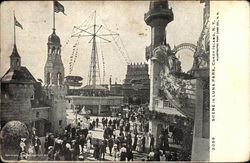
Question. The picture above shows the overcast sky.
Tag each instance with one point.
(125, 18)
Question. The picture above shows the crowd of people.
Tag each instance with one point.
(122, 137)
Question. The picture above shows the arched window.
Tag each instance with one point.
(48, 78)
(37, 114)
(53, 50)
(17, 62)
(59, 78)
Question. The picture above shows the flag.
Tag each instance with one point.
(58, 7)
(17, 23)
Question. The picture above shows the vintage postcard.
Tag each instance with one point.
(125, 81)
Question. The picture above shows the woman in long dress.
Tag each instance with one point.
(88, 145)
(115, 152)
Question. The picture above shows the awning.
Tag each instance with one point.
(170, 111)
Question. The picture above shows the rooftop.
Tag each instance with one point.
(21, 75)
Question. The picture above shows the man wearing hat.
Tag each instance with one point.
(37, 145)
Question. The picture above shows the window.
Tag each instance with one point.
(53, 49)
(37, 114)
(17, 62)
(60, 122)
(59, 78)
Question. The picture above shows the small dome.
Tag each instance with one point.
(53, 38)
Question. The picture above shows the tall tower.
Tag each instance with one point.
(158, 16)
(54, 84)
(54, 69)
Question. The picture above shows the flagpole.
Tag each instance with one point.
(14, 29)
(54, 16)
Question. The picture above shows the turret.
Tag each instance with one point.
(15, 59)
(158, 16)
(54, 69)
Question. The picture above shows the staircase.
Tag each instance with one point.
(180, 93)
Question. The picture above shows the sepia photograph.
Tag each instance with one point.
(105, 80)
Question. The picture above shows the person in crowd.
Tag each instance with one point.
(57, 155)
(46, 144)
(114, 123)
(152, 142)
(96, 153)
(123, 153)
(110, 145)
(135, 141)
(75, 150)
(168, 156)
(109, 131)
(88, 145)
(97, 122)
(129, 141)
(117, 142)
(103, 123)
(127, 129)
(130, 155)
(165, 142)
(68, 128)
(68, 153)
(50, 153)
(143, 143)
(157, 155)
(73, 132)
(174, 156)
(115, 152)
(82, 142)
(89, 137)
(103, 146)
(135, 128)
(161, 141)
(105, 133)
(93, 125)
(139, 144)
(110, 122)
(37, 145)
(22, 150)
(106, 122)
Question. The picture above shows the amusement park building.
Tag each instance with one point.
(136, 84)
(42, 108)
(177, 98)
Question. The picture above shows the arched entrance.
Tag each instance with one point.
(42, 126)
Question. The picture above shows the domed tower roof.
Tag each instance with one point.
(158, 4)
(54, 39)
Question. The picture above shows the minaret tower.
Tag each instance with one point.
(54, 82)
(158, 16)
(54, 69)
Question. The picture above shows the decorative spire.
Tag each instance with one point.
(15, 59)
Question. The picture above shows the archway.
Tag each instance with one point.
(185, 52)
